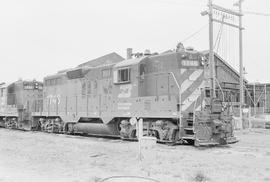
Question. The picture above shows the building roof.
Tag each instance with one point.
(106, 59)
(206, 52)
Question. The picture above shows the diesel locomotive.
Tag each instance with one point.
(17, 103)
(169, 91)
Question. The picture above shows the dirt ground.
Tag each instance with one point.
(35, 156)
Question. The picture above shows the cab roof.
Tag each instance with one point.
(129, 62)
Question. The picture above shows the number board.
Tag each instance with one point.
(190, 63)
(28, 86)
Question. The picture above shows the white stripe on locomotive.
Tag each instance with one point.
(188, 82)
(192, 97)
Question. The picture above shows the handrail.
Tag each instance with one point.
(194, 111)
(220, 88)
(180, 102)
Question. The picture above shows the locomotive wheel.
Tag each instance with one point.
(154, 134)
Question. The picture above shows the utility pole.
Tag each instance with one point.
(211, 49)
(239, 4)
(254, 97)
(265, 99)
(220, 13)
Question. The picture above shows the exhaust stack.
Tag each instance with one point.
(129, 53)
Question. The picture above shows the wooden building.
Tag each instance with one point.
(259, 97)
(255, 94)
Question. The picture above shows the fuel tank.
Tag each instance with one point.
(95, 126)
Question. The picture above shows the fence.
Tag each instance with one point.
(252, 118)
(254, 111)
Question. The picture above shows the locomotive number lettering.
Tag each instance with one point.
(125, 91)
(54, 99)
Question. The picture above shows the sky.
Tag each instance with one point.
(39, 38)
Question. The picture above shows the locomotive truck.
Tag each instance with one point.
(170, 92)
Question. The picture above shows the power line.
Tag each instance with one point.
(195, 3)
(256, 13)
(195, 33)
(219, 35)
(183, 2)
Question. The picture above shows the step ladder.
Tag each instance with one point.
(188, 128)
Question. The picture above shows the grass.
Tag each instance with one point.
(200, 177)
(96, 179)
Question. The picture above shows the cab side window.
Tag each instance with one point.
(122, 75)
